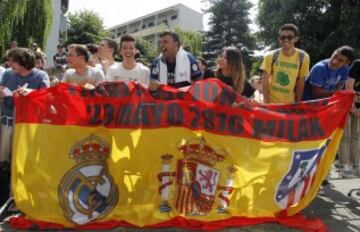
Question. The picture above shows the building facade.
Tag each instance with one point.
(149, 26)
(58, 31)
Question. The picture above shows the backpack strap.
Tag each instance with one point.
(275, 58)
(301, 59)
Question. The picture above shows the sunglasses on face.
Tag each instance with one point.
(288, 37)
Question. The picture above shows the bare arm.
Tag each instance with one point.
(265, 87)
(299, 88)
(318, 92)
(350, 84)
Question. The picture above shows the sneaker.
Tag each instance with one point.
(346, 172)
(338, 165)
(325, 183)
(356, 171)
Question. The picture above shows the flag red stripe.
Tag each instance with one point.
(134, 107)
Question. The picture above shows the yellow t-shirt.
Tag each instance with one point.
(283, 78)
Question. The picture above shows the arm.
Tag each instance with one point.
(300, 82)
(350, 84)
(299, 88)
(2, 94)
(154, 75)
(318, 92)
(265, 87)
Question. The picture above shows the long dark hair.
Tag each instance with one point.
(235, 61)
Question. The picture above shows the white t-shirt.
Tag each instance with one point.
(93, 76)
(139, 73)
(2, 70)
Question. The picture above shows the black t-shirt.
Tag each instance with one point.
(247, 91)
(355, 74)
(59, 59)
(208, 74)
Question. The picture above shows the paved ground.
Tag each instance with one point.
(338, 211)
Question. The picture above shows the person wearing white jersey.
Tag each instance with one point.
(128, 70)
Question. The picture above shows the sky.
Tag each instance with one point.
(113, 13)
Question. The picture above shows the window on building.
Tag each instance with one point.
(143, 26)
(151, 24)
(173, 17)
(124, 32)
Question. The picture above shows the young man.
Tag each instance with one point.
(174, 66)
(285, 69)
(21, 79)
(81, 73)
(59, 59)
(349, 147)
(329, 75)
(107, 50)
(128, 69)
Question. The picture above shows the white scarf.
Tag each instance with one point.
(182, 68)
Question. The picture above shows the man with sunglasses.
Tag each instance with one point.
(285, 69)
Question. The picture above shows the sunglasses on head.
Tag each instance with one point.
(288, 37)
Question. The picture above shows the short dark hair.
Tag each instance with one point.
(23, 56)
(125, 38)
(81, 50)
(93, 48)
(173, 34)
(60, 46)
(346, 51)
(289, 27)
(112, 44)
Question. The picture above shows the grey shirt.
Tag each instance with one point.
(92, 76)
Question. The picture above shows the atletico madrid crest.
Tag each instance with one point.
(300, 177)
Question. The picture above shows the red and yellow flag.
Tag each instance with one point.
(118, 153)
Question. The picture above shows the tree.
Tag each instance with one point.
(229, 26)
(24, 21)
(146, 49)
(35, 25)
(323, 25)
(85, 27)
(190, 40)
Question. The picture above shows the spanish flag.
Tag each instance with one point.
(200, 159)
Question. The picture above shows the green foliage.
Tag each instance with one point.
(323, 25)
(85, 27)
(24, 21)
(255, 66)
(35, 25)
(146, 49)
(190, 40)
(229, 26)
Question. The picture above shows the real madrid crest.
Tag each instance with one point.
(87, 192)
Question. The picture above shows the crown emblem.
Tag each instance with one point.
(199, 150)
(90, 148)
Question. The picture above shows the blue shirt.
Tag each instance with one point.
(324, 77)
(37, 79)
(194, 69)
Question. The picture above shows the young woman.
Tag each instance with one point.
(231, 71)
